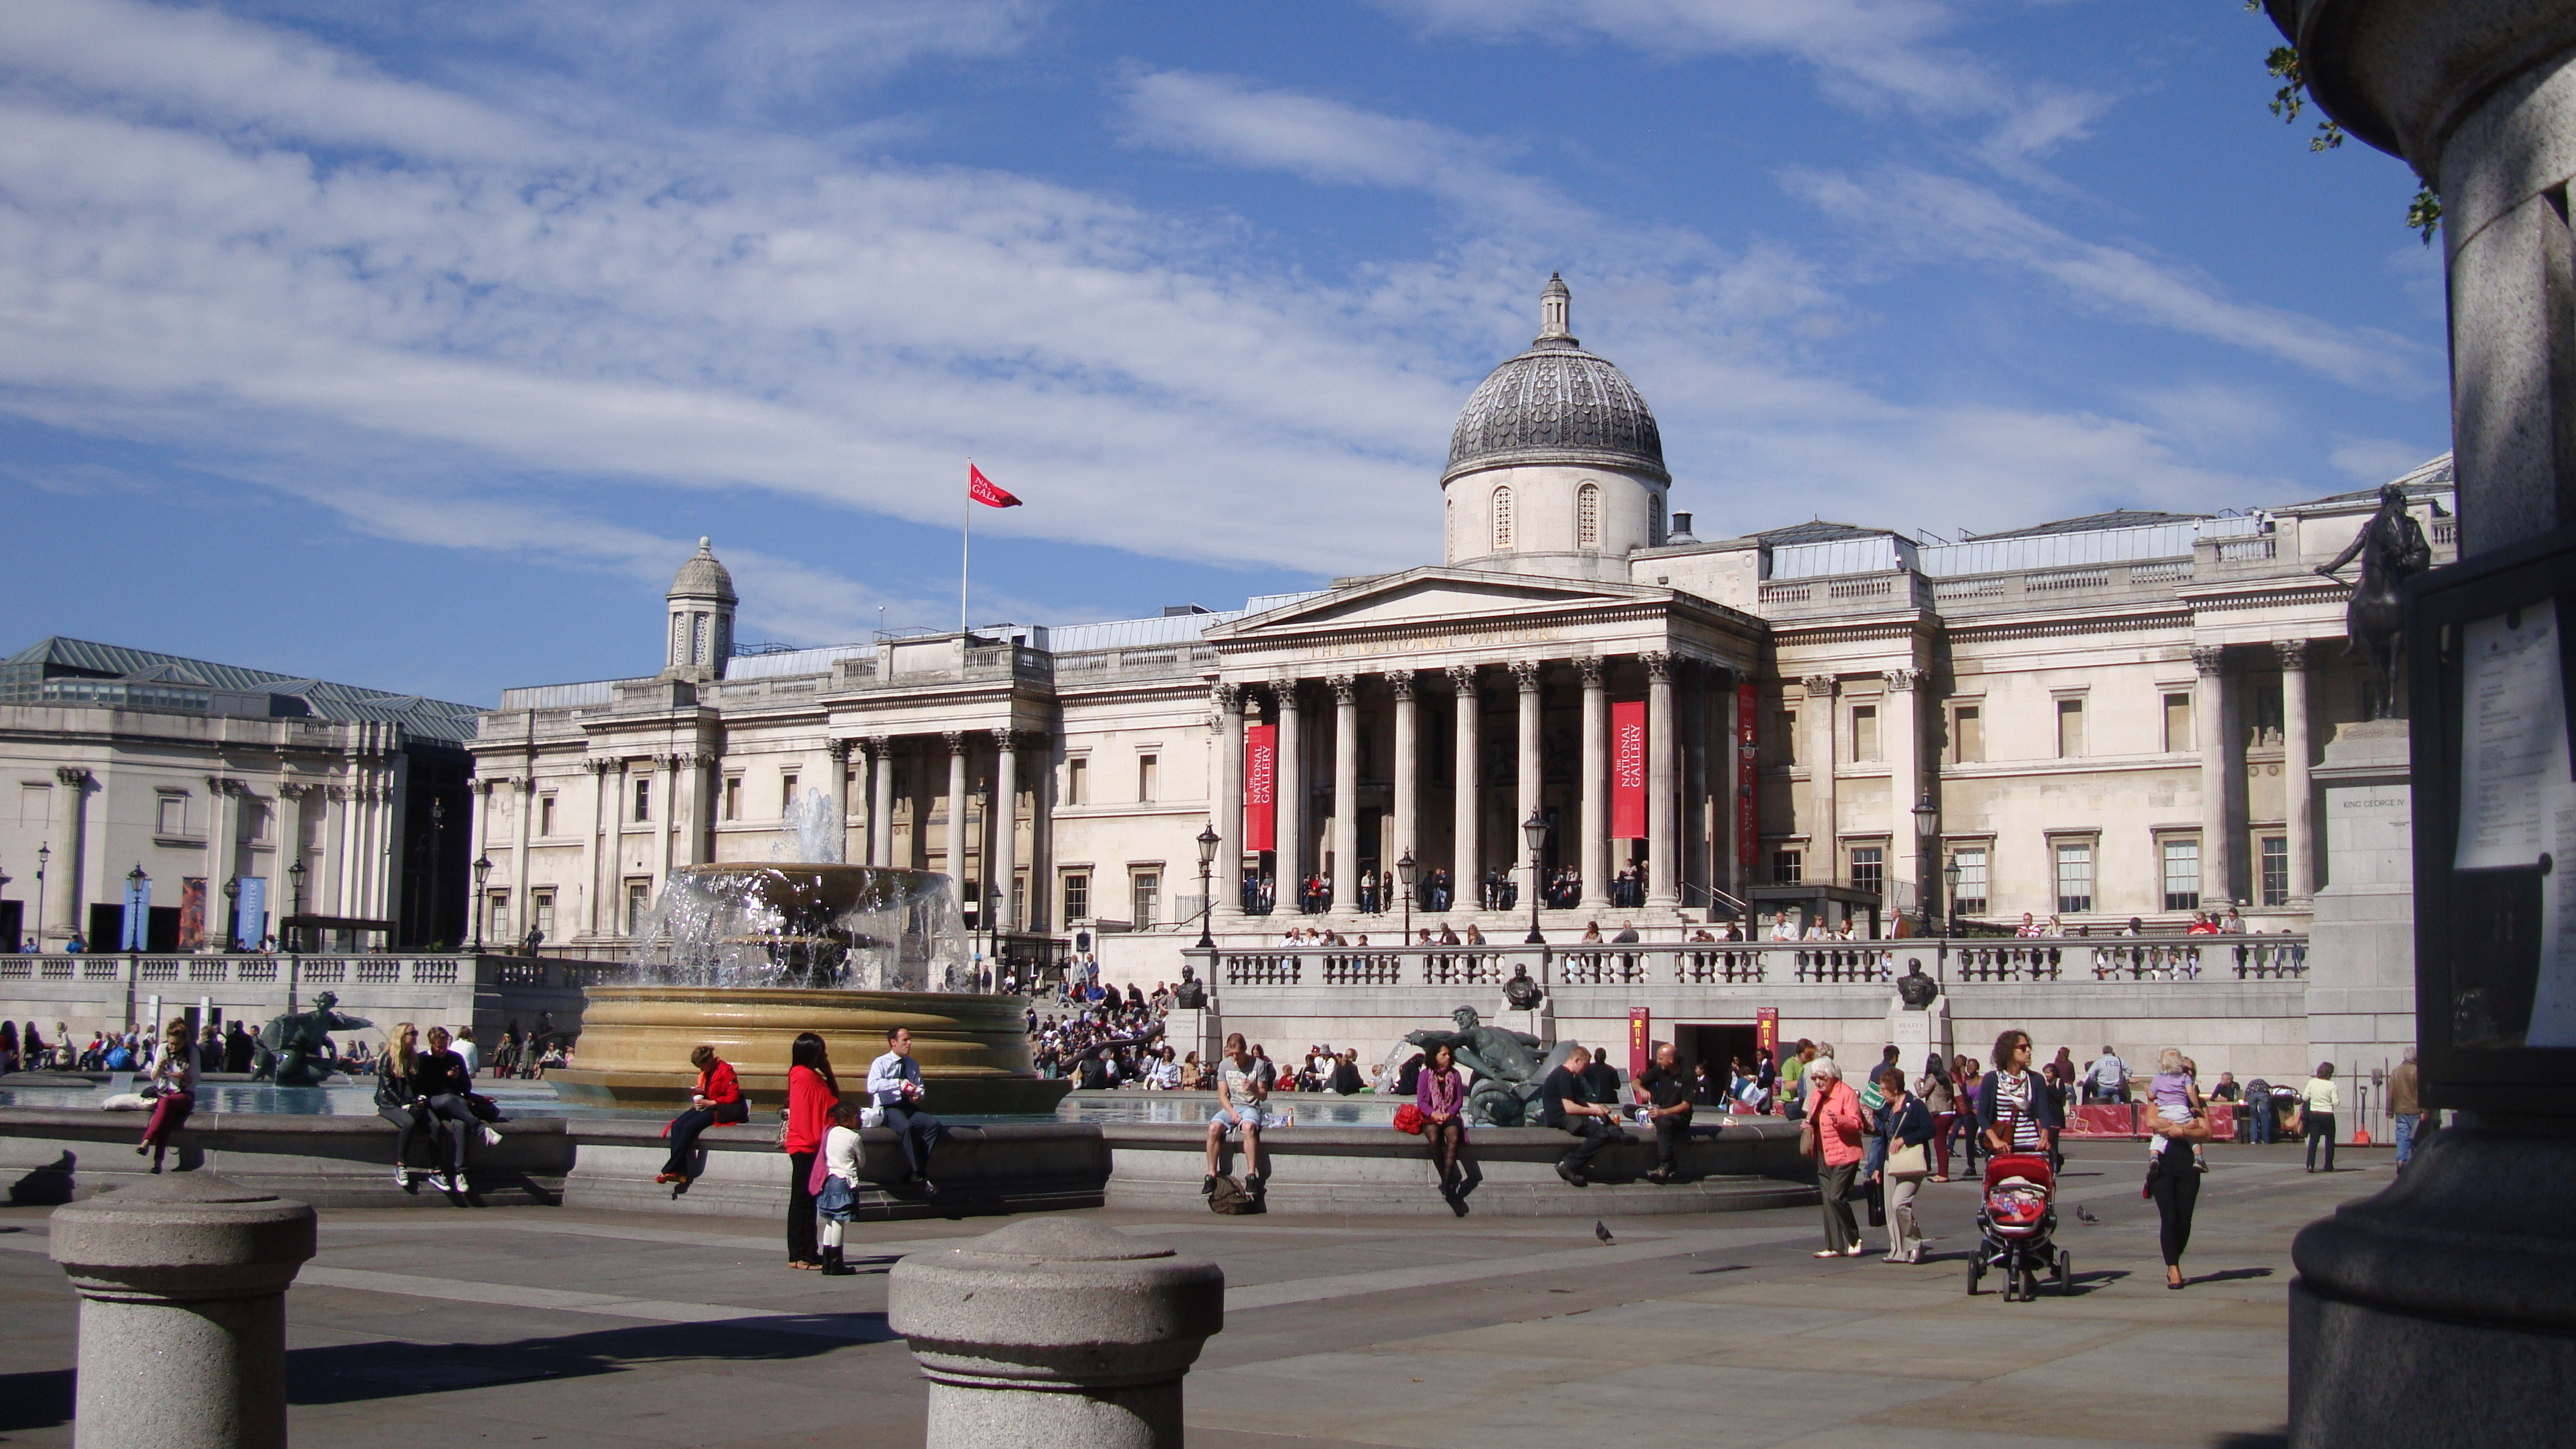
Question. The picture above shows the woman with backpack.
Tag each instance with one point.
(811, 1092)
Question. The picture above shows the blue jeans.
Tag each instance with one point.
(2402, 1126)
(2265, 1128)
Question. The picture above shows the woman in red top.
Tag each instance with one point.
(1835, 1109)
(811, 1091)
(716, 1099)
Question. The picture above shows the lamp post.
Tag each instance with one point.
(1534, 830)
(232, 914)
(482, 870)
(44, 852)
(437, 838)
(1927, 839)
(295, 874)
(1950, 903)
(1405, 871)
(4, 885)
(1209, 840)
(135, 881)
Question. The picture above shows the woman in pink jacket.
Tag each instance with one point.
(1840, 1130)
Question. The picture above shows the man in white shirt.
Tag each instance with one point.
(894, 1083)
(1242, 1081)
(2108, 1079)
(464, 1047)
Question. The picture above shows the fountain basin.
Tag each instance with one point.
(635, 1044)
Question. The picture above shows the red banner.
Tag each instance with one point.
(1766, 1031)
(1628, 771)
(1641, 1040)
(1748, 818)
(1260, 787)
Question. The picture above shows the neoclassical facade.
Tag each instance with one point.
(2098, 718)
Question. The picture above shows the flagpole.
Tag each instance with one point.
(965, 534)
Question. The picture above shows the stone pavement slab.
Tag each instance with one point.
(571, 1329)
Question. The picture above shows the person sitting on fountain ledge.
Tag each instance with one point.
(894, 1083)
(1566, 1103)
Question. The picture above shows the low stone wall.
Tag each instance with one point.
(1001, 1168)
(1753, 1163)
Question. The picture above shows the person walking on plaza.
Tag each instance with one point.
(1836, 1130)
(811, 1091)
(838, 1202)
(1242, 1082)
(2405, 1108)
(1668, 1091)
(174, 1094)
(1440, 1094)
(1942, 1100)
(894, 1084)
(717, 1098)
(1565, 1103)
(2015, 1112)
(1905, 1133)
(2317, 1103)
(2173, 1181)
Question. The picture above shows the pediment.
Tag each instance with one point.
(1455, 596)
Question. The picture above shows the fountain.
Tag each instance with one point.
(743, 956)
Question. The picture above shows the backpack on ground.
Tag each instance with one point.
(1232, 1198)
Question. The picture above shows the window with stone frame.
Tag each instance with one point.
(1869, 868)
(643, 799)
(2181, 855)
(1587, 516)
(639, 899)
(2178, 740)
(1077, 781)
(1077, 896)
(2276, 870)
(173, 816)
(1788, 867)
(1145, 896)
(1147, 767)
(546, 815)
(1864, 733)
(1502, 520)
(2074, 876)
(1655, 520)
(1967, 734)
(733, 797)
(541, 906)
(786, 793)
(1970, 898)
(2070, 729)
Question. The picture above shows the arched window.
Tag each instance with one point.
(1655, 521)
(1502, 520)
(679, 639)
(1587, 516)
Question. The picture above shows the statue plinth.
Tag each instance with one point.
(2361, 942)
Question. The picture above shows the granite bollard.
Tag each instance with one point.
(182, 1281)
(1058, 1332)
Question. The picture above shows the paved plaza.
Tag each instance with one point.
(573, 1329)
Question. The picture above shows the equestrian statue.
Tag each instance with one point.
(2392, 549)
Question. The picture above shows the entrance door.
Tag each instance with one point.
(12, 922)
(107, 928)
(1716, 1043)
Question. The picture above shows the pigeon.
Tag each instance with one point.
(2085, 1213)
(1601, 1232)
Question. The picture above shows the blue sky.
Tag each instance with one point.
(415, 344)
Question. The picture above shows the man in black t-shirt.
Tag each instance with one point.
(1668, 1092)
(1566, 1103)
(1601, 1081)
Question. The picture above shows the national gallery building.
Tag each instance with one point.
(2095, 719)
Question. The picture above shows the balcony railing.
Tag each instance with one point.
(179, 973)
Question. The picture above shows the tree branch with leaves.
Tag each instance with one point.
(2423, 214)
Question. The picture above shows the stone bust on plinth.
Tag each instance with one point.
(1915, 989)
(1191, 994)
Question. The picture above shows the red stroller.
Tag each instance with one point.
(2017, 1226)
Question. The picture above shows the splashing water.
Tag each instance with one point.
(814, 832)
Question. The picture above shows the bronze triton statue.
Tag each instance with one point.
(294, 1043)
(2392, 550)
(1509, 1070)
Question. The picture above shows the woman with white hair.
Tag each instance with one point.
(1833, 1135)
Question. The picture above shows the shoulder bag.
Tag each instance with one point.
(1908, 1159)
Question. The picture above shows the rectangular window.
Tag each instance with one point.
(1970, 897)
(643, 800)
(1864, 722)
(1786, 867)
(545, 815)
(1145, 766)
(786, 794)
(733, 797)
(496, 924)
(1077, 896)
(2074, 878)
(2276, 870)
(639, 899)
(1868, 868)
(174, 816)
(2182, 875)
(1967, 735)
(2178, 739)
(1077, 782)
(1145, 891)
(542, 905)
(2070, 729)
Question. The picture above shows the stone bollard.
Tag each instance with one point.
(182, 1281)
(1056, 1332)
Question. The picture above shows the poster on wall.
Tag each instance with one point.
(1766, 1031)
(2517, 834)
(1641, 1040)
(251, 918)
(192, 913)
(1260, 787)
(1628, 769)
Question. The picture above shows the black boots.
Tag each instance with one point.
(833, 1267)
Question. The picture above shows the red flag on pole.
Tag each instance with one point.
(985, 491)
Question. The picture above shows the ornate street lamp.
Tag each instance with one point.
(295, 873)
(4, 885)
(482, 870)
(1927, 837)
(1209, 840)
(1534, 830)
(232, 914)
(135, 881)
(1950, 877)
(1405, 871)
(44, 852)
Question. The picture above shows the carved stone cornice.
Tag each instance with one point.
(2294, 654)
(293, 789)
(1659, 665)
(1345, 687)
(1400, 684)
(2209, 659)
(1462, 678)
(1525, 674)
(76, 777)
(1283, 691)
(1821, 686)
(335, 792)
(1006, 741)
(1902, 679)
(838, 749)
(880, 745)
(598, 764)
(1593, 670)
(1226, 696)
(956, 740)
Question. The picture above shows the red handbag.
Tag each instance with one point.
(1408, 1118)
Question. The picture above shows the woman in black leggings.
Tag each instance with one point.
(2174, 1182)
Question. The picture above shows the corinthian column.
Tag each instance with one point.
(1661, 736)
(1291, 788)
(1901, 733)
(2294, 766)
(63, 873)
(1225, 808)
(881, 806)
(2209, 710)
(839, 752)
(1407, 744)
(956, 859)
(1006, 825)
(1824, 829)
(1465, 851)
(1527, 802)
(1346, 791)
(1594, 857)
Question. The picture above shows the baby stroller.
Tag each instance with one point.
(2017, 1226)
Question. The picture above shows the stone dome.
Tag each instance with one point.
(1556, 403)
(703, 578)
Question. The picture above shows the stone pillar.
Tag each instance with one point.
(2209, 711)
(1006, 825)
(223, 835)
(666, 811)
(1900, 732)
(1594, 860)
(1691, 705)
(838, 751)
(1822, 755)
(591, 889)
(346, 867)
(955, 859)
(881, 810)
(1408, 801)
(1055, 1331)
(1225, 801)
(1346, 791)
(1661, 837)
(1527, 800)
(1466, 849)
(2296, 790)
(182, 1281)
(1291, 789)
(522, 916)
(63, 873)
(1731, 811)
